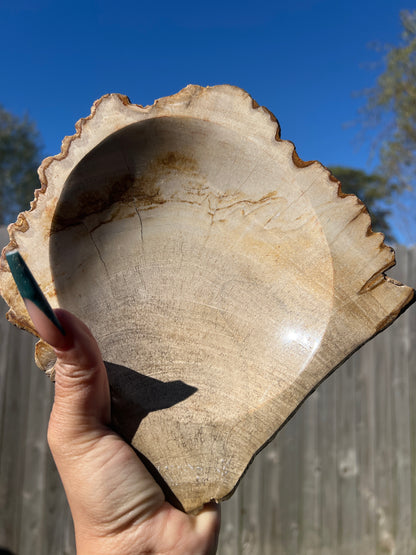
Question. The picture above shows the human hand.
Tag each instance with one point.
(116, 505)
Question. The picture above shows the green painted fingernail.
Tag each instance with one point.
(29, 288)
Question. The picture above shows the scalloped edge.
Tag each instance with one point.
(372, 241)
(190, 93)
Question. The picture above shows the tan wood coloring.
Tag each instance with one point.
(223, 277)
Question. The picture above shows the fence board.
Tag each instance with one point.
(34, 477)
(328, 499)
(339, 479)
(401, 414)
(366, 447)
(347, 460)
(13, 433)
(411, 268)
(311, 480)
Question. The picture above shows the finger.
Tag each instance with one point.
(81, 383)
(82, 397)
(208, 520)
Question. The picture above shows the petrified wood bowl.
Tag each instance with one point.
(223, 277)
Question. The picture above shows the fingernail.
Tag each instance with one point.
(40, 311)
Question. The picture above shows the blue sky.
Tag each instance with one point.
(304, 60)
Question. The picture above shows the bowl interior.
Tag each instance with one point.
(175, 240)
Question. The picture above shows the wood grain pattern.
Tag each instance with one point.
(223, 278)
(291, 501)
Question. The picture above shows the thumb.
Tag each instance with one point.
(82, 394)
(101, 473)
(82, 406)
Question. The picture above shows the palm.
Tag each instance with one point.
(126, 507)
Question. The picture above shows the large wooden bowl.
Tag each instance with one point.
(223, 277)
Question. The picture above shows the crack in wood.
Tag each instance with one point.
(141, 223)
(100, 256)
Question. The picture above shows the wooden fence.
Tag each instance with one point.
(339, 479)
